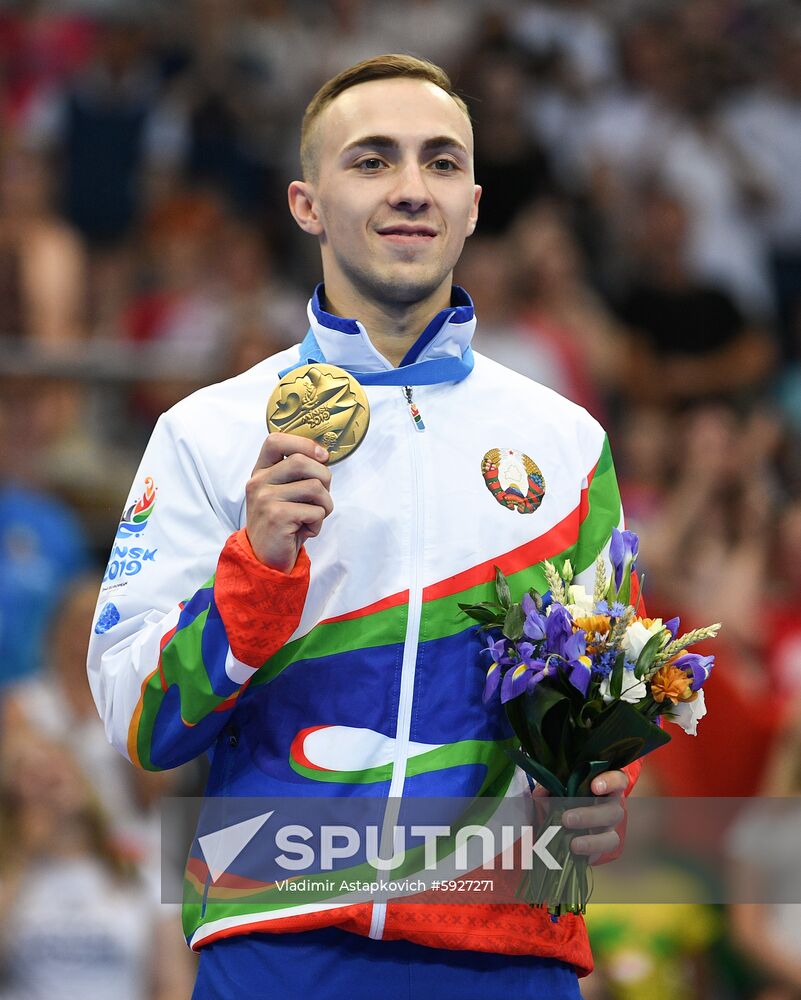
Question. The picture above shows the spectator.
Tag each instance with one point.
(58, 705)
(486, 267)
(103, 131)
(557, 305)
(39, 49)
(764, 866)
(75, 922)
(42, 261)
(510, 164)
(689, 338)
(42, 548)
(765, 123)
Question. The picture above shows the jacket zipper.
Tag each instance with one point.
(408, 665)
(415, 413)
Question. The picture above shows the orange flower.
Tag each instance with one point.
(593, 623)
(673, 683)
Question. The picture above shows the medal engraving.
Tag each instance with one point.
(323, 403)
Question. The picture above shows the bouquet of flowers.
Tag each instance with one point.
(585, 680)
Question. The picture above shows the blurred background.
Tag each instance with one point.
(639, 250)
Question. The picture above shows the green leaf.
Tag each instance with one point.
(486, 612)
(502, 588)
(482, 615)
(540, 774)
(540, 703)
(578, 784)
(648, 654)
(624, 593)
(515, 713)
(640, 593)
(589, 712)
(621, 735)
(616, 680)
(514, 622)
(547, 715)
(489, 605)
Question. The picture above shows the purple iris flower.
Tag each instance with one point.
(575, 646)
(573, 649)
(700, 667)
(578, 674)
(498, 651)
(522, 677)
(500, 658)
(491, 683)
(673, 627)
(623, 550)
(534, 625)
(526, 651)
(558, 629)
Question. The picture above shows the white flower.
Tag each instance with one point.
(688, 714)
(581, 603)
(636, 637)
(632, 690)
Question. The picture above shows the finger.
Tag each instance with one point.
(610, 783)
(296, 467)
(595, 843)
(311, 529)
(305, 492)
(602, 816)
(277, 446)
(307, 518)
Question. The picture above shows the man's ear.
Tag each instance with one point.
(472, 219)
(303, 207)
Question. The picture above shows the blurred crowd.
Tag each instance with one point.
(638, 250)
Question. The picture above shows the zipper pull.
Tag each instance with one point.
(418, 420)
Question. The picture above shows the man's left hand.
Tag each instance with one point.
(601, 818)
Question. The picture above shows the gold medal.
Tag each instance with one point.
(323, 403)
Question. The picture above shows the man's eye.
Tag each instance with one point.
(444, 165)
(371, 163)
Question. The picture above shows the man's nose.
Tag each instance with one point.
(410, 192)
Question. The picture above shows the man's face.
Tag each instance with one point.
(394, 193)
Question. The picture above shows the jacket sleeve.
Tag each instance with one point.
(187, 613)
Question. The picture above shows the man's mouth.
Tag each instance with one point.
(408, 233)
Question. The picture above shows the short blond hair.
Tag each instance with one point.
(386, 67)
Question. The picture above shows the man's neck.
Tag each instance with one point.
(392, 328)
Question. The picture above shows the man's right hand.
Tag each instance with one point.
(287, 498)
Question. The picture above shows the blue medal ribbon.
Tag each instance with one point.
(428, 372)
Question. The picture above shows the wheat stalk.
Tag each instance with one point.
(688, 639)
(554, 581)
(619, 628)
(600, 580)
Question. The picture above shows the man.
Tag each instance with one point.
(319, 656)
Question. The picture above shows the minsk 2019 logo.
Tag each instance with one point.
(135, 518)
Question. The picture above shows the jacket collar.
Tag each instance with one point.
(344, 342)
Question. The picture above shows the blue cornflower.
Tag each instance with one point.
(604, 663)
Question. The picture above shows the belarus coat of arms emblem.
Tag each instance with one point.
(513, 479)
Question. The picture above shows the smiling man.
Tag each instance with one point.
(298, 620)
